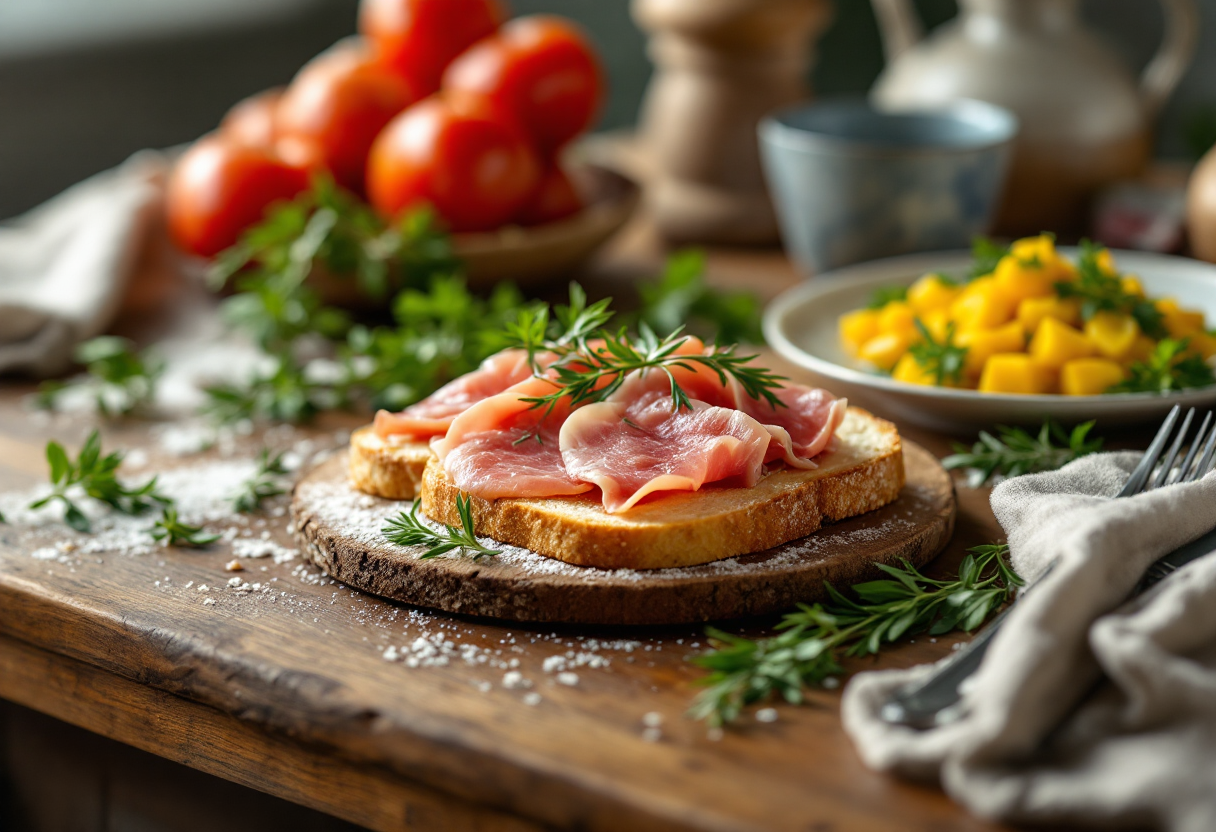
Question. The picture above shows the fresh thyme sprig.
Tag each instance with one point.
(173, 532)
(593, 371)
(97, 476)
(1014, 451)
(1099, 291)
(943, 359)
(407, 530)
(813, 639)
(262, 485)
(1167, 369)
(119, 379)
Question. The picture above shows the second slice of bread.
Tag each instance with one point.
(390, 468)
(863, 471)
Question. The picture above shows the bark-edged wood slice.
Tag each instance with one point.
(339, 529)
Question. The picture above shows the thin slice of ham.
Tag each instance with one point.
(809, 419)
(504, 447)
(632, 448)
(433, 415)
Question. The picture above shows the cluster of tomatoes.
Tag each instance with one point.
(436, 102)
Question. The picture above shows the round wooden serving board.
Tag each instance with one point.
(339, 529)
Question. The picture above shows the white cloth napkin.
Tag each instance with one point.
(64, 265)
(1087, 710)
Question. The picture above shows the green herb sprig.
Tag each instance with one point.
(887, 294)
(1167, 369)
(407, 530)
(943, 359)
(97, 476)
(1099, 291)
(985, 255)
(1014, 451)
(263, 485)
(120, 379)
(814, 639)
(173, 532)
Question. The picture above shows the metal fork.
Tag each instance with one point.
(936, 699)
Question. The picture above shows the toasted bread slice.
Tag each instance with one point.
(390, 468)
(863, 471)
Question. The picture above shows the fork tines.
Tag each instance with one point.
(1190, 468)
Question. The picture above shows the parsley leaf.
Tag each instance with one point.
(1099, 291)
(1167, 369)
(985, 255)
(173, 532)
(944, 359)
(681, 298)
(887, 294)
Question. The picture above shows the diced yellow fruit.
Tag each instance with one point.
(981, 306)
(1089, 376)
(858, 327)
(938, 323)
(1141, 349)
(896, 316)
(1132, 286)
(930, 293)
(909, 370)
(1020, 279)
(1041, 248)
(1032, 311)
(1201, 344)
(1113, 334)
(1014, 373)
(981, 344)
(1106, 262)
(1055, 343)
(884, 350)
(1179, 322)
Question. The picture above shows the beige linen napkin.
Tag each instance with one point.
(65, 264)
(1087, 710)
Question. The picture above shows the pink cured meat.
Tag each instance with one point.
(433, 415)
(503, 447)
(809, 419)
(632, 448)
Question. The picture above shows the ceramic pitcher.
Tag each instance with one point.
(1086, 121)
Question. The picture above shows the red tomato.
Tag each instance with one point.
(475, 168)
(553, 199)
(219, 188)
(338, 103)
(252, 121)
(542, 69)
(419, 38)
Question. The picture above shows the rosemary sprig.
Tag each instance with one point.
(262, 485)
(1014, 451)
(1099, 292)
(97, 476)
(407, 530)
(173, 532)
(1167, 369)
(944, 359)
(120, 379)
(592, 372)
(813, 639)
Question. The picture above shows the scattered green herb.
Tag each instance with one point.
(1099, 291)
(1014, 451)
(1167, 369)
(887, 294)
(263, 485)
(97, 476)
(944, 359)
(985, 255)
(119, 379)
(173, 532)
(407, 530)
(813, 639)
(681, 298)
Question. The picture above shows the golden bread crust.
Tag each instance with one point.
(390, 468)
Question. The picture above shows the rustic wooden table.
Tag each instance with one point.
(285, 688)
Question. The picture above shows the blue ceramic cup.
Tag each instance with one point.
(853, 183)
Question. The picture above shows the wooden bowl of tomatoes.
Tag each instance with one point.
(439, 103)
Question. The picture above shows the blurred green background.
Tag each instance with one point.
(83, 83)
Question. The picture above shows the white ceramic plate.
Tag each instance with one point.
(801, 325)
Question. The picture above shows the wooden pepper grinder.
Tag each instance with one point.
(720, 65)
